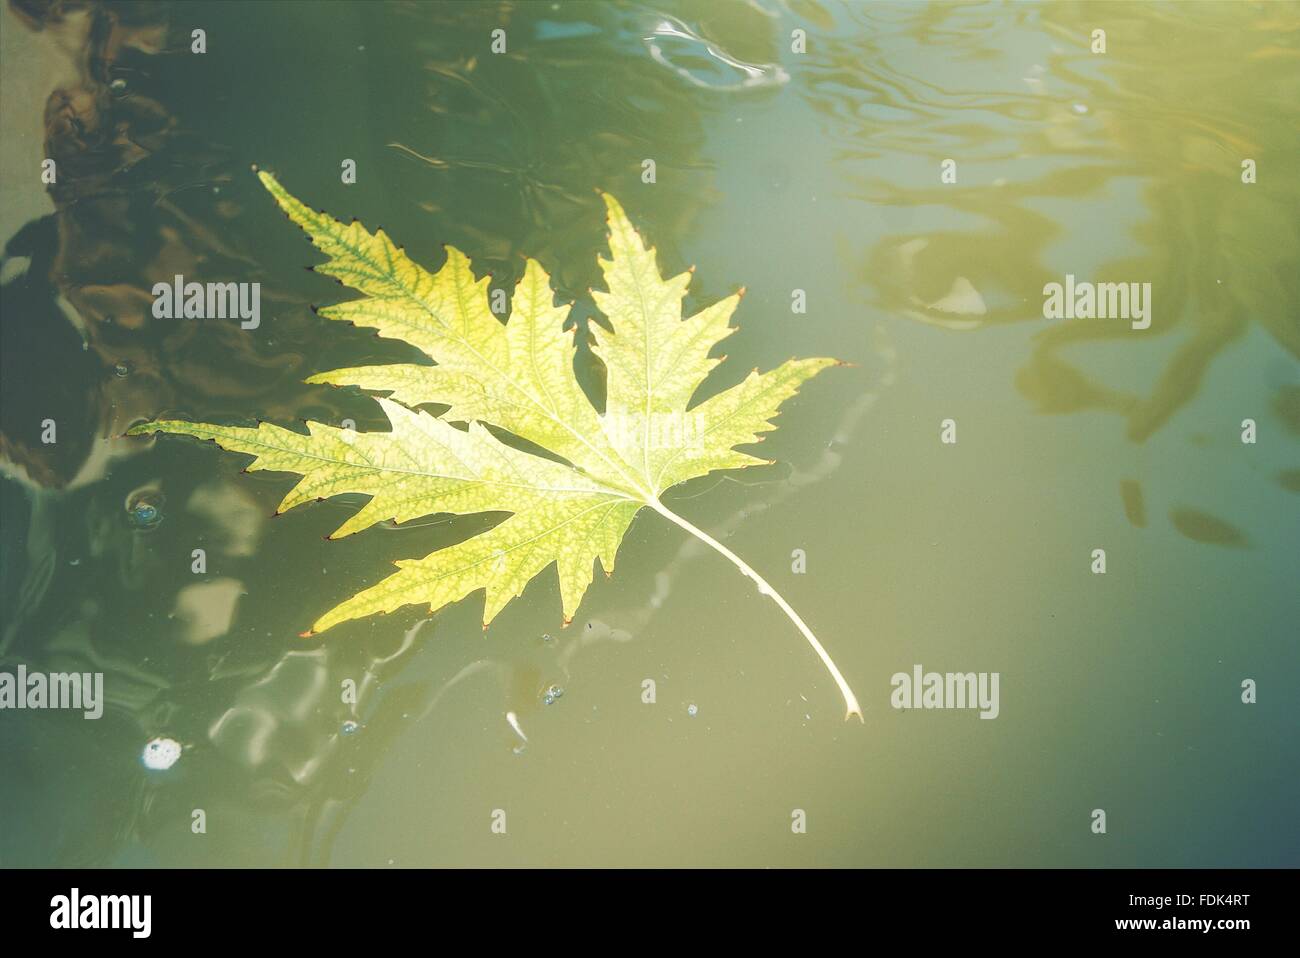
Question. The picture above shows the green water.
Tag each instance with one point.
(776, 170)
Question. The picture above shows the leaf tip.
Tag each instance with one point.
(614, 207)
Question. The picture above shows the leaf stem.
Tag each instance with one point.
(850, 700)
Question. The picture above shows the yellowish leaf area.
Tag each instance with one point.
(518, 377)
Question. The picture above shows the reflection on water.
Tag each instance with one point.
(820, 168)
(1156, 127)
(699, 61)
(1144, 146)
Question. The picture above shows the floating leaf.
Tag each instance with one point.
(518, 377)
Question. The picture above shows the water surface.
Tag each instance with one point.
(775, 170)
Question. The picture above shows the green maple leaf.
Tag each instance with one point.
(518, 377)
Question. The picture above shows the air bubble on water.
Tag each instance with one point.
(349, 727)
(144, 508)
(552, 695)
(122, 370)
(144, 514)
(546, 637)
(118, 85)
(692, 709)
(161, 753)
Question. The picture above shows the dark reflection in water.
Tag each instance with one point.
(1221, 255)
(1135, 509)
(152, 164)
(1202, 527)
(1160, 124)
